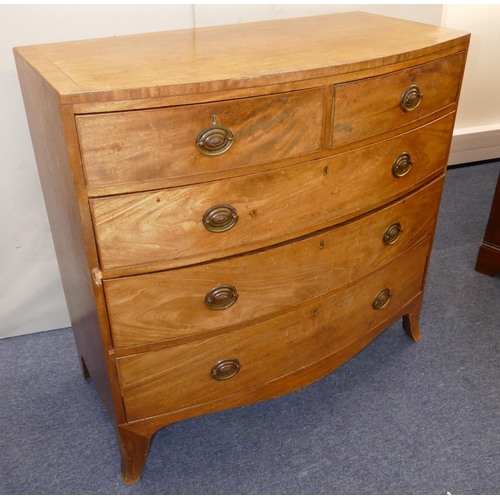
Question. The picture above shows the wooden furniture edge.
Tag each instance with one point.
(488, 259)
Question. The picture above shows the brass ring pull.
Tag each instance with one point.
(215, 139)
(220, 218)
(402, 165)
(221, 297)
(226, 368)
(382, 299)
(411, 99)
(392, 233)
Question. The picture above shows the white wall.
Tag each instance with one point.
(31, 297)
(215, 15)
(477, 128)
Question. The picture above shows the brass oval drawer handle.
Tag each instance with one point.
(392, 233)
(221, 297)
(220, 218)
(402, 165)
(215, 139)
(382, 299)
(411, 99)
(226, 368)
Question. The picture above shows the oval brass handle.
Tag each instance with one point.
(382, 299)
(392, 233)
(221, 297)
(226, 368)
(402, 165)
(411, 99)
(220, 218)
(215, 139)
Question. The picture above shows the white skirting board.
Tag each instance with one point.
(475, 144)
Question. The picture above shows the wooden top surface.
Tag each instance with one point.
(234, 56)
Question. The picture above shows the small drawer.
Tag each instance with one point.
(197, 373)
(177, 303)
(376, 105)
(160, 230)
(183, 141)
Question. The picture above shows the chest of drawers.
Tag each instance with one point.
(239, 210)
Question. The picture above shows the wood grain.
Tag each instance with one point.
(239, 56)
(372, 106)
(179, 377)
(159, 306)
(161, 143)
(278, 387)
(160, 230)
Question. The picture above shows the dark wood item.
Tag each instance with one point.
(488, 258)
(239, 210)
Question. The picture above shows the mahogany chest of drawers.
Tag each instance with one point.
(239, 210)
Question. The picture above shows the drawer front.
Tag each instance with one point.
(153, 144)
(166, 227)
(167, 380)
(159, 306)
(369, 107)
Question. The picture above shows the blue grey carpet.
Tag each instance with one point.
(399, 418)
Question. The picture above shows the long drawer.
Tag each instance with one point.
(262, 209)
(375, 105)
(178, 303)
(134, 146)
(187, 375)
